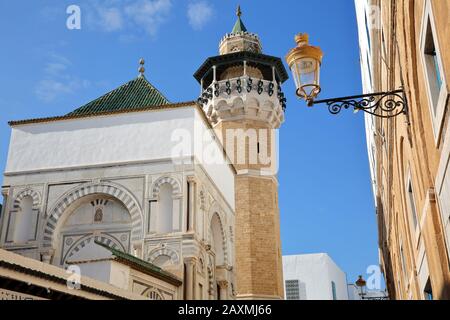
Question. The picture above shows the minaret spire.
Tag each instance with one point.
(238, 11)
(239, 39)
(239, 25)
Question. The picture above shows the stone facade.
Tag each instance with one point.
(409, 48)
(169, 211)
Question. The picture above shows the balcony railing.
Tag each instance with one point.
(242, 85)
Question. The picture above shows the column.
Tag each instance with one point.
(189, 278)
(47, 256)
(191, 203)
(3, 212)
(223, 287)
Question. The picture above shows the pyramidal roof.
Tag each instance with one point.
(239, 25)
(136, 94)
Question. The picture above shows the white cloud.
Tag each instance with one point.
(131, 15)
(110, 19)
(148, 14)
(199, 14)
(57, 81)
(57, 65)
(49, 90)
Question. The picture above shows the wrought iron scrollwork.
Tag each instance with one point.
(218, 88)
(249, 84)
(282, 98)
(270, 91)
(239, 85)
(228, 87)
(260, 87)
(383, 104)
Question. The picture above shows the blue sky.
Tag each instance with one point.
(326, 203)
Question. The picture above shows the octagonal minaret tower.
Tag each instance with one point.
(242, 98)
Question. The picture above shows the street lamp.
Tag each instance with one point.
(305, 62)
(361, 283)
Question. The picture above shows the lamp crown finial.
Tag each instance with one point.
(302, 38)
(238, 11)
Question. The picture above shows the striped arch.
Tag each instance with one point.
(102, 238)
(215, 212)
(164, 252)
(106, 188)
(173, 182)
(27, 193)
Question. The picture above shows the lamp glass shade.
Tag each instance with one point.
(304, 62)
(306, 73)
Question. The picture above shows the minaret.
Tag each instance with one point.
(242, 98)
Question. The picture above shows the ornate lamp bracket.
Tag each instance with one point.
(380, 104)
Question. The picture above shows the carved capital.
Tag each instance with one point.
(47, 255)
(5, 192)
(191, 179)
(190, 260)
(223, 284)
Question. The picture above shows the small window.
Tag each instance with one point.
(292, 290)
(333, 290)
(436, 85)
(98, 217)
(428, 292)
(432, 66)
(411, 203)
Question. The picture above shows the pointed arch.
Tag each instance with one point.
(217, 219)
(107, 188)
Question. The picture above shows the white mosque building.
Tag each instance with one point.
(134, 176)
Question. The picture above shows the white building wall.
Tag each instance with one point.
(315, 273)
(95, 141)
(367, 20)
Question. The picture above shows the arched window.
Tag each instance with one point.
(217, 240)
(165, 210)
(24, 221)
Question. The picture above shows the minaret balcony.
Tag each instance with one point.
(244, 98)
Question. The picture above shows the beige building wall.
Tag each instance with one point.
(413, 150)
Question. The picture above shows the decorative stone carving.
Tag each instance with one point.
(28, 192)
(107, 188)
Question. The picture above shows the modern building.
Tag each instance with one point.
(404, 45)
(313, 277)
(159, 181)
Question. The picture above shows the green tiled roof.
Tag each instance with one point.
(135, 94)
(142, 265)
(239, 26)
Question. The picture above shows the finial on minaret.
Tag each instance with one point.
(238, 11)
(141, 68)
